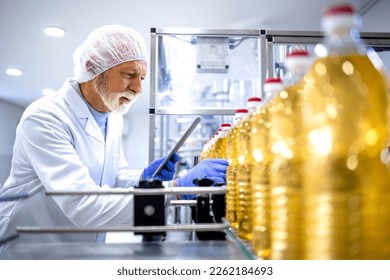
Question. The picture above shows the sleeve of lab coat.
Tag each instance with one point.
(127, 177)
(48, 146)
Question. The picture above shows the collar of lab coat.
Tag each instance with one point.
(80, 108)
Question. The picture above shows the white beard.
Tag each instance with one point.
(112, 99)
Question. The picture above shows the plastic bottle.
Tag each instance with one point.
(212, 148)
(231, 173)
(260, 171)
(285, 142)
(205, 151)
(244, 163)
(220, 143)
(346, 187)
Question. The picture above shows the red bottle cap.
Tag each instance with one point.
(226, 125)
(297, 53)
(339, 9)
(241, 111)
(254, 99)
(273, 80)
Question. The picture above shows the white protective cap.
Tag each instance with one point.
(106, 47)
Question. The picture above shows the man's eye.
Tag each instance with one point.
(127, 75)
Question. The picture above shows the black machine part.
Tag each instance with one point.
(203, 212)
(149, 210)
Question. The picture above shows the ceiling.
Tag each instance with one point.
(46, 61)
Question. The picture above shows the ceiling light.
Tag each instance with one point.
(54, 31)
(13, 72)
(48, 91)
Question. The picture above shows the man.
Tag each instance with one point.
(72, 141)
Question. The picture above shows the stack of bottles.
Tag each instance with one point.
(231, 173)
(286, 147)
(220, 143)
(244, 163)
(260, 180)
(305, 177)
(216, 146)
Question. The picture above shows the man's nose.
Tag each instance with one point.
(136, 86)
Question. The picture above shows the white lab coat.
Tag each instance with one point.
(59, 146)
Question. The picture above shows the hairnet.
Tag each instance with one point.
(106, 47)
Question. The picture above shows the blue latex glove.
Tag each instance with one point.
(214, 169)
(166, 173)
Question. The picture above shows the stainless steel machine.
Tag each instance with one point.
(209, 73)
(203, 73)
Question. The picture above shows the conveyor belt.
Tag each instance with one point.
(186, 250)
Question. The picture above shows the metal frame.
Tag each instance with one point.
(267, 39)
(153, 111)
(372, 39)
(142, 191)
(183, 227)
(287, 37)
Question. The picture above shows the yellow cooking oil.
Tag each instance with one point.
(208, 150)
(346, 187)
(212, 148)
(286, 143)
(220, 143)
(205, 150)
(285, 140)
(244, 163)
(259, 178)
(231, 172)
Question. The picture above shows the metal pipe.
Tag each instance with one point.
(367, 6)
(137, 191)
(183, 227)
(182, 202)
